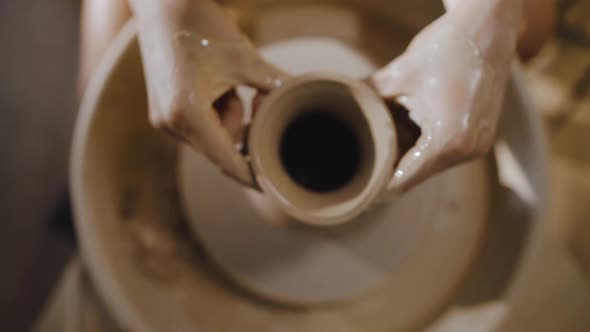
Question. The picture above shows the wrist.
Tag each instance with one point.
(492, 25)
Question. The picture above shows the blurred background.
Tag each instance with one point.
(39, 42)
(38, 98)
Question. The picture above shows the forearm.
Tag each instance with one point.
(199, 16)
(488, 10)
(492, 25)
(151, 9)
(100, 22)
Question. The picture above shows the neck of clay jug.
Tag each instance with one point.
(323, 148)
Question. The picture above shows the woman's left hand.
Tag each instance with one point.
(452, 79)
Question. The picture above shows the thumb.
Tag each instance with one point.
(395, 79)
(415, 166)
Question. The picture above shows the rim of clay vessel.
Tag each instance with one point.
(358, 107)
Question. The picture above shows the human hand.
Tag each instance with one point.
(452, 80)
(194, 56)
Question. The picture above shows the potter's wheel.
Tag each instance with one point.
(269, 254)
(168, 258)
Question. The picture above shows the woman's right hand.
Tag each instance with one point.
(194, 56)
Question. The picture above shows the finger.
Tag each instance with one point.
(262, 75)
(257, 102)
(230, 109)
(395, 79)
(408, 131)
(415, 166)
(216, 143)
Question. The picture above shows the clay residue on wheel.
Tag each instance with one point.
(150, 210)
